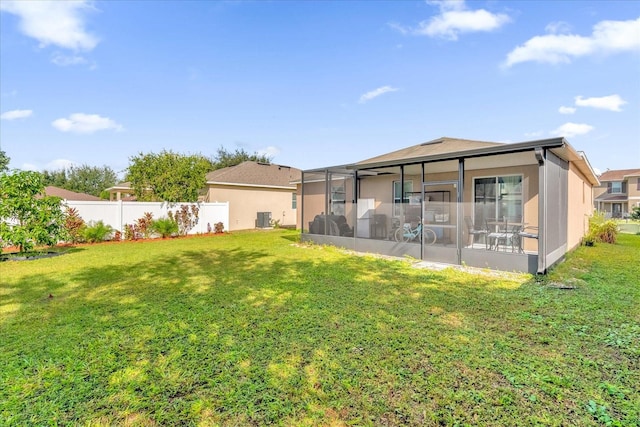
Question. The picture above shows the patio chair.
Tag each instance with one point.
(473, 231)
(530, 232)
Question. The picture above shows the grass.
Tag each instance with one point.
(252, 329)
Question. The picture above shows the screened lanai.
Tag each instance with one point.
(500, 206)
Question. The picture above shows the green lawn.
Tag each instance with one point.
(251, 328)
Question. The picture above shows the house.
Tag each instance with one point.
(121, 191)
(70, 195)
(618, 192)
(516, 207)
(258, 194)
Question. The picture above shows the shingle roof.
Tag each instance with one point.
(611, 198)
(438, 146)
(254, 173)
(70, 195)
(618, 175)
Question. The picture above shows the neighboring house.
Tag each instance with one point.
(70, 195)
(531, 201)
(618, 192)
(256, 192)
(121, 191)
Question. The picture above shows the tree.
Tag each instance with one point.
(224, 158)
(82, 179)
(57, 178)
(27, 218)
(4, 161)
(168, 176)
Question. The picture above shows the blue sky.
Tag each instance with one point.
(314, 84)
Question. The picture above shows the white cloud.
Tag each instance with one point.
(58, 164)
(375, 93)
(566, 110)
(59, 23)
(611, 102)
(535, 134)
(16, 114)
(608, 37)
(269, 151)
(67, 60)
(85, 123)
(569, 130)
(454, 19)
(29, 167)
(559, 27)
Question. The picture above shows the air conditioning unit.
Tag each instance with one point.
(264, 220)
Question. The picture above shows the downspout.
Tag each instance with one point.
(402, 220)
(460, 209)
(302, 204)
(354, 205)
(542, 210)
(422, 209)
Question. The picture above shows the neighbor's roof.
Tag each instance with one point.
(440, 146)
(69, 195)
(606, 197)
(255, 174)
(120, 186)
(619, 174)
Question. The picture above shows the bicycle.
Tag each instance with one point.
(408, 234)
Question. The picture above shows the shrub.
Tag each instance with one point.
(117, 235)
(143, 226)
(129, 232)
(635, 213)
(97, 232)
(218, 228)
(165, 227)
(601, 230)
(74, 225)
(186, 217)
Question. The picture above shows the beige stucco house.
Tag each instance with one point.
(516, 207)
(121, 191)
(256, 192)
(618, 192)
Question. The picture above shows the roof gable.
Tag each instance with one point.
(255, 173)
(618, 174)
(435, 147)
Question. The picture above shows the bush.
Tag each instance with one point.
(186, 217)
(143, 226)
(635, 213)
(218, 227)
(165, 227)
(601, 230)
(97, 232)
(74, 225)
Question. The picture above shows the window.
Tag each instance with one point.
(294, 201)
(338, 198)
(616, 187)
(498, 197)
(399, 197)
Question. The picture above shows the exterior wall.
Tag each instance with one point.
(246, 202)
(314, 203)
(580, 207)
(633, 188)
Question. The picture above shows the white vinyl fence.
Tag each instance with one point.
(117, 214)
